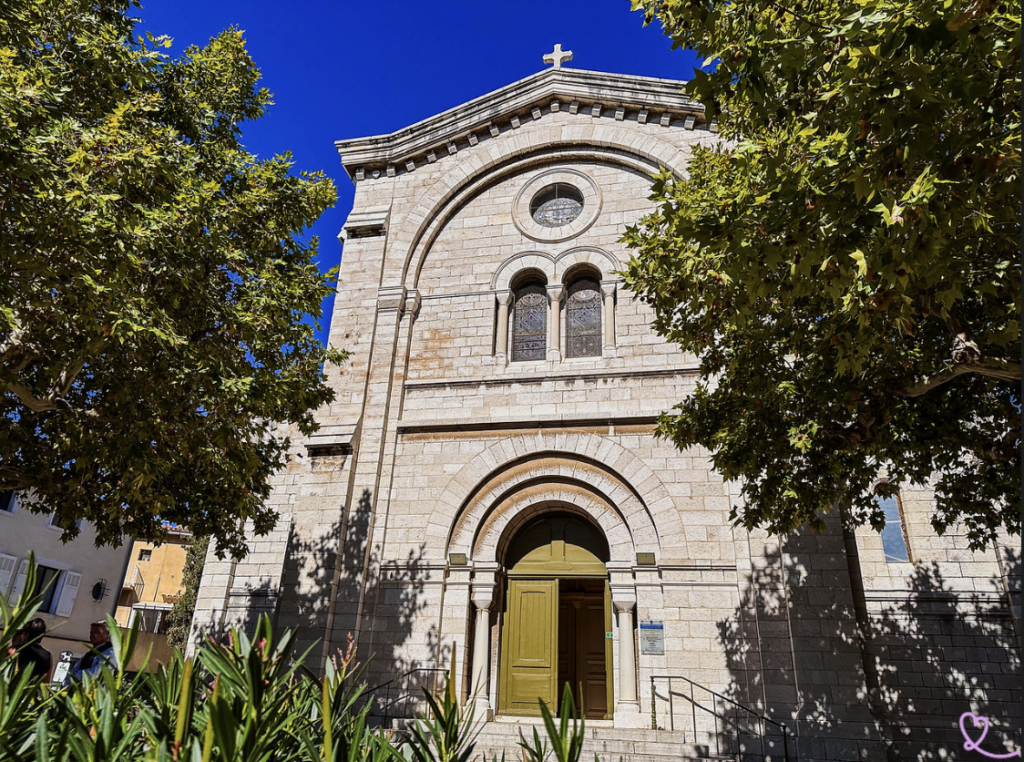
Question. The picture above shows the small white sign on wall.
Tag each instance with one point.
(652, 638)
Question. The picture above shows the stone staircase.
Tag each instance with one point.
(608, 744)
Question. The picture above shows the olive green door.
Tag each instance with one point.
(583, 649)
(530, 646)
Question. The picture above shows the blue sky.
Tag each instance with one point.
(347, 69)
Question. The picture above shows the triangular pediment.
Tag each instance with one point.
(577, 91)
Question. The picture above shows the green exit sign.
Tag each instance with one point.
(609, 635)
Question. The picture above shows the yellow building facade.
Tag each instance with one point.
(152, 581)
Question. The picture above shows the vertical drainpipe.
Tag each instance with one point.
(1005, 580)
(867, 651)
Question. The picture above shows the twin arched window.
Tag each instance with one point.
(583, 306)
(583, 318)
(530, 322)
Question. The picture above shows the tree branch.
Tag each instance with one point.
(29, 400)
(63, 382)
(46, 404)
(986, 366)
(13, 479)
(14, 350)
(54, 398)
(965, 357)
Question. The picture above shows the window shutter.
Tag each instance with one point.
(7, 564)
(68, 593)
(19, 582)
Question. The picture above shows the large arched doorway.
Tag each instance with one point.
(557, 617)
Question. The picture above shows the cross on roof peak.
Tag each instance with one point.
(557, 57)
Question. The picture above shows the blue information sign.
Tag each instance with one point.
(652, 638)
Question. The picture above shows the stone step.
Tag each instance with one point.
(608, 744)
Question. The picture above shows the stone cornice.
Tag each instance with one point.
(540, 378)
(526, 424)
(615, 96)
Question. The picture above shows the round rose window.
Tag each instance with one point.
(556, 205)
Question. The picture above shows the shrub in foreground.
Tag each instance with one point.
(246, 700)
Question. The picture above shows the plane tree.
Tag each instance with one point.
(158, 298)
(846, 262)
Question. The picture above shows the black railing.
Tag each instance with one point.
(404, 689)
(714, 721)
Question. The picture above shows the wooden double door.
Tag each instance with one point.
(557, 632)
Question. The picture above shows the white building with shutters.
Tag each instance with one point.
(79, 581)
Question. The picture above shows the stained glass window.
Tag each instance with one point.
(556, 205)
(583, 318)
(530, 323)
(894, 535)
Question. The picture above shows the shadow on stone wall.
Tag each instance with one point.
(389, 595)
(941, 654)
(1011, 570)
(793, 652)
(401, 658)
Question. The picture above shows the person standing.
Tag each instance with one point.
(31, 654)
(102, 652)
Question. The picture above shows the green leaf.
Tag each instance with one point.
(862, 265)
(864, 129)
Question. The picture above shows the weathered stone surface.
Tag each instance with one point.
(439, 443)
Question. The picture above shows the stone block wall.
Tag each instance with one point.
(435, 445)
(943, 633)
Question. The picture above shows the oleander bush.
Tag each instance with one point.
(246, 700)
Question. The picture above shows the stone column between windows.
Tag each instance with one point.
(608, 316)
(554, 322)
(501, 340)
(482, 597)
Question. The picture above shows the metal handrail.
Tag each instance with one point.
(388, 701)
(694, 705)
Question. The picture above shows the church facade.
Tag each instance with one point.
(487, 490)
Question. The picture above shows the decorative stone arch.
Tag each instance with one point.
(513, 480)
(554, 477)
(632, 480)
(600, 259)
(515, 510)
(518, 263)
(614, 144)
(553, 267)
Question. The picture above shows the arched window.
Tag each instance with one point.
(530, 322)
(894, 535)
(583, 318)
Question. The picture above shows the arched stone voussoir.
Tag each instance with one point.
(517, 263)
(603, 261)
(484, 165)
(540, 480)
(510, 514)
(545, 457)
